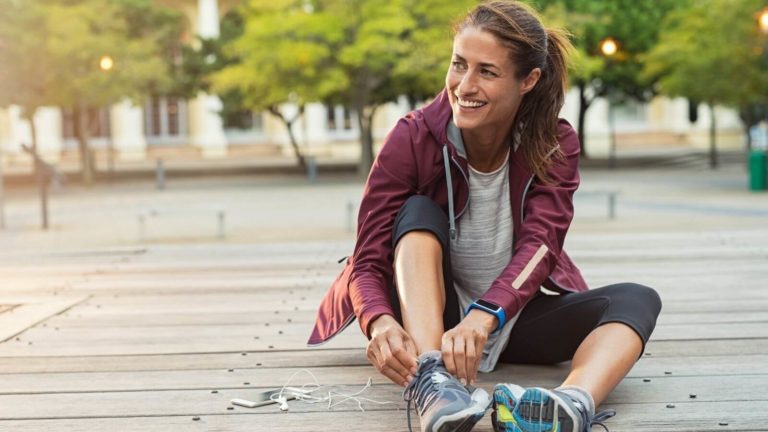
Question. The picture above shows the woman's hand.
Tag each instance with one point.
(463, 345)
(392, 351)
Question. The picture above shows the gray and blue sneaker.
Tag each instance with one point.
(541, 410)
(505, 399)
(443, 404)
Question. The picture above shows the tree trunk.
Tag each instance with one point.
(712, 138)
(365, 125)
(275, 111)
(82, 132)
(29, 114)
(584, 103)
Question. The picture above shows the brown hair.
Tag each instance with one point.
(531, 46)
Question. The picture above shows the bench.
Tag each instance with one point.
(146, 215)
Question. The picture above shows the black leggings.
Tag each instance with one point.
(551, 327)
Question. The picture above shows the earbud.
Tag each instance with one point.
(283, 403)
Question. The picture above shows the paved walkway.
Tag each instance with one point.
(104, 329)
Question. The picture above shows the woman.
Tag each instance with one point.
(462, 223)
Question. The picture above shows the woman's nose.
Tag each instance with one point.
(467, 85)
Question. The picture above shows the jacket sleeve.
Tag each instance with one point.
(391, 181)
(548, 211)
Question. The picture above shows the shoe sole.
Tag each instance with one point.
(465, 420)
(540, 410)
(502, 417)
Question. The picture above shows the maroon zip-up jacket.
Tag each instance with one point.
(412, 162)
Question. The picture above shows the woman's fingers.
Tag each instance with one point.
(479, 347)
(471, 361)
(462, 353)
(392, 353)
(460, 358)
(447, 351)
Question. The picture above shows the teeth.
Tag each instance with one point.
(470, 104)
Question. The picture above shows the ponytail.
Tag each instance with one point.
(540, 108)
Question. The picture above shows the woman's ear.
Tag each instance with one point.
(530, 81)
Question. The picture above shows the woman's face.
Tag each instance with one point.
(482, 87)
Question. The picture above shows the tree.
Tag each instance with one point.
(633, 23)
(24, 79)
(360, 54)
(712, 53)
(84, 54)
(282, 56)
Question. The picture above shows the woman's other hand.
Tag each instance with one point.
(392, 351)
(463, 345)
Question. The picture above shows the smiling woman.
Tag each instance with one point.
(462, 224)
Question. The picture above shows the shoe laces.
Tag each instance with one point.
(596, 420)
(422, 389)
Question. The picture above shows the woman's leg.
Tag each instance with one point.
(603, 359)
(420, 288)
(603, 331)
(422, 273)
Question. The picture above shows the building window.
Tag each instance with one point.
(165, 119)
(339, 118)
(331, 110)
(97, 122)
(243, 120)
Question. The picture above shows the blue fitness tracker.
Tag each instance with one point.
(492, 309)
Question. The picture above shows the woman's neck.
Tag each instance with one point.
(486, 152)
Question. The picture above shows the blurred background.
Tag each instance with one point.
(103, 99)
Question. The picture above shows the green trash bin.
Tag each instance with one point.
(758, 168)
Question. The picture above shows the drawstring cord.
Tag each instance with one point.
(449, 181)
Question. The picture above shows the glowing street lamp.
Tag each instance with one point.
(609, 46)
(106, 63)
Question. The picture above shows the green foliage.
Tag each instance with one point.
(712, 52)
(357, 53)
(51, 50)
(284, 55)
(633, 23)
(58, 62)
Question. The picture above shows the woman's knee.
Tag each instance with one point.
(419, 214)
(644, 295)
(426, 242)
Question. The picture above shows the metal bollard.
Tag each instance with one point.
(611, 206)
(311, 169)
(160, 175)
(350, 217)
(222, 232)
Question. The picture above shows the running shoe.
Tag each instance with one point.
(442, 402)
(541, 410)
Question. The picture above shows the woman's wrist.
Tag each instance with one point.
(488, 321)
(380, 322)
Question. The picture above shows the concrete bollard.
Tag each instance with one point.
(160, 175)
(311, 169)
(350, 217)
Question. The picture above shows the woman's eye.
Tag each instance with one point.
(458, 66)
(486, 72)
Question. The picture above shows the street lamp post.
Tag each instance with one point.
(106, 64)
(609, 47)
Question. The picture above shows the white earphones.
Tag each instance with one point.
(283, 403)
